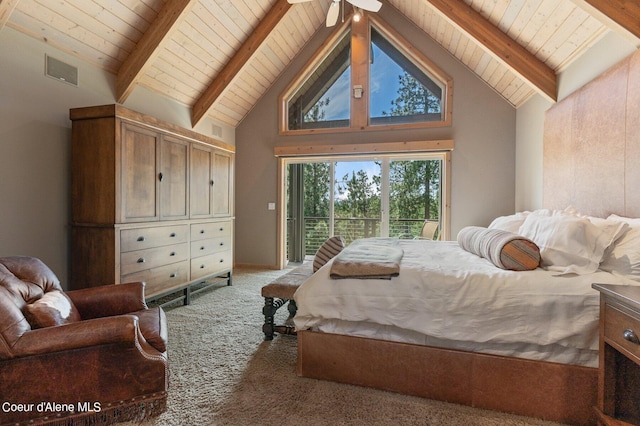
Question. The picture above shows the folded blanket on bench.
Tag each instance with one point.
(368, 258)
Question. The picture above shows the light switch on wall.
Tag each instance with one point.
(271, 206)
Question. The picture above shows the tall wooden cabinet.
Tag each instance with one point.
(151, 202)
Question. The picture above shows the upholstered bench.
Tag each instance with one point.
(277, 293)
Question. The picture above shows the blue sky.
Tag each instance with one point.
(344, 167)
(384, 82)
(347, 167)
(384, 88)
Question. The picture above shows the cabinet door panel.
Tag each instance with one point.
(174, 171)
(139, 174)
(222, 184)
(201, 181)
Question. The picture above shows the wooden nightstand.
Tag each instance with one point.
(619, 373)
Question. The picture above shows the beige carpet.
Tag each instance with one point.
(223, 373)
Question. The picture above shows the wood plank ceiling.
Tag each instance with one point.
(219, 57)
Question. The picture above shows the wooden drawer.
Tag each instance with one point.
(619, 322)
(142, 238)
(201, 231)
(140, 260)
(210, 265)
(162, 279)
(210, 246)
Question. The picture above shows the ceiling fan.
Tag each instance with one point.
(334, 8)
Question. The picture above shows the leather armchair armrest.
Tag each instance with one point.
(109, 300)
(121, 329)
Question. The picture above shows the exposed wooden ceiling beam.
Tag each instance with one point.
(507, 50)
(150, 45)
(622, 16)
(235, 64)
(6, 9)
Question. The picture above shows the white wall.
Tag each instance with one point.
(35, 140)
(529, 128)
(483, 161)
(609, 50)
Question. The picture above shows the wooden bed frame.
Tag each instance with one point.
(559, 392)
(590, 165)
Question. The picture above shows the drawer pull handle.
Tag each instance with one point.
(202, 248)
(221, 244)
(221, 229)
(201, 266)
(173, 234)
(173, 253)
(141, 260)
(173, 275)
(221, 260)
(630, 336)
(202, 231)
(141, 238)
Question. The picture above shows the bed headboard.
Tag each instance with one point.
(592, 145)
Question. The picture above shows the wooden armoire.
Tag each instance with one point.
(151, 202)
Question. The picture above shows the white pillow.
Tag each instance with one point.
(624, 257)
(568, 211)
(509, 223)
(617, 229)
(568, 243)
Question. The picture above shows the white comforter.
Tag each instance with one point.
(450, 295)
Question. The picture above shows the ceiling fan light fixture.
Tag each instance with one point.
(334, 9)
(357, 16)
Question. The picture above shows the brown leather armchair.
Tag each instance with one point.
(92, 356)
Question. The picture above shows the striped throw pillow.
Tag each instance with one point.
(327, 251)
(504, 249)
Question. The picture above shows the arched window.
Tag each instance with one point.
(366, 77)
(400, 91)
(323, 100)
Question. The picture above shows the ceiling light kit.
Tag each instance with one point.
(334, 9)
(357, 15)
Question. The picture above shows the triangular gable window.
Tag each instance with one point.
(401, 92)
(323, 100)
(366, 77)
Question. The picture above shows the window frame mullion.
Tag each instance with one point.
(360, 58)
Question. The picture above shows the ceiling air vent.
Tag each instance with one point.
(61, 71)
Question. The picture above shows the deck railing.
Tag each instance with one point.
(317, 229)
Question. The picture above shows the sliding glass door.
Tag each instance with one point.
(359, 198)
(415, 195)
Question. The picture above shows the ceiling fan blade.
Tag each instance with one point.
(370, 5)
(333, 13)
(297, 1)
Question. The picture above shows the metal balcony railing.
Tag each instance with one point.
(317, 229)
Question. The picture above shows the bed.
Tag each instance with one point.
(448, 297)
(453, 325)
(528, 344)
